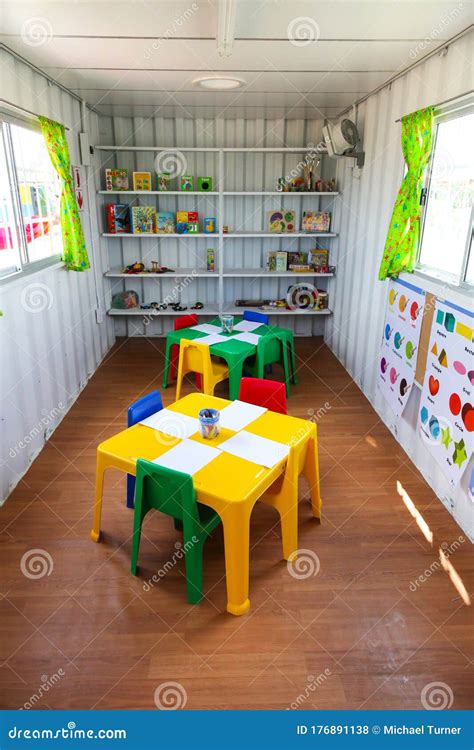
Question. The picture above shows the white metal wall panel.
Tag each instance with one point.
(362, 216)
(49, 339)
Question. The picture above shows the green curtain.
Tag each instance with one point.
(74, 246)
(401, 245)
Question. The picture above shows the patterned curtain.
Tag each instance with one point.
(401, 245)
(75, 253)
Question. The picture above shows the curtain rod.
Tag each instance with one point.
(406, 70)
(23, 110)
(446, 101)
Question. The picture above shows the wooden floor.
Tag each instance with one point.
(359, 634)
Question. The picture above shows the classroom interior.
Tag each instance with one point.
(236, 336)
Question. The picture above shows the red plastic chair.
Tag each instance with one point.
(262, 392)
(183, 321)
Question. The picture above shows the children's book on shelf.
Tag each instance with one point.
(318, 258)
(271, 260)
(118, 218)
(316, 221)
(187, 182)
(163, 181)
(281, 261)
(183, 217)
(116, 179)
(165, 222)
(143, 220)
(142, 180)
(281, 221)
(211, 260)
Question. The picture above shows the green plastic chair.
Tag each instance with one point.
(172, 492)
(271, 349)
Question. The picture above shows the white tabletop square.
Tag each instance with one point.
(239, 414)
(249, 338)
(187, 457)
(247, 325)
(172, 423)
(207, 328)
(254, 448)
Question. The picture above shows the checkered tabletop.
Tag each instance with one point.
(241, 332)
(191, 456)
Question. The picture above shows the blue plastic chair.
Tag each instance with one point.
(141, 409)
(256, 317)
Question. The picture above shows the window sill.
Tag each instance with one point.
(439, 287)
(32, 268)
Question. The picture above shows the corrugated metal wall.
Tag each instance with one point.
(243, 171)
(49, 338)
(362, 215)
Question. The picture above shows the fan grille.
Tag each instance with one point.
(349, 131)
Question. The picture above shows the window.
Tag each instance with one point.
(29, 200)
(445, 248)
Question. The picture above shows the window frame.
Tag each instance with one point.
(27, 267)
(459, 108)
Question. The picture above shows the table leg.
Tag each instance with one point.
(283, 495)
(236, 524)
(169, 344)
(236, 367)
(311, 472)
(99, 486)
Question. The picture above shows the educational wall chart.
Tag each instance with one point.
(446, 416)
(401, 334)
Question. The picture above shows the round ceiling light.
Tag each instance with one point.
(219, 84)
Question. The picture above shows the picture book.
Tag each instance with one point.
(315, 221)
(165, 222)
(118, 218)
(143, 220)
(281, 261)
(281, 221)
(271, 261)
(116, 179)
(318, 258)
(142, 180)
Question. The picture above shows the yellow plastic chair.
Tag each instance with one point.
(195, 357)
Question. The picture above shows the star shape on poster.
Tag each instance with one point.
(446, 437)
(459, 455)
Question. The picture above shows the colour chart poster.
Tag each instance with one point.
(446, 417)
(401, 334)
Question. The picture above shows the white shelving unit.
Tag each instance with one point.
(220, 199)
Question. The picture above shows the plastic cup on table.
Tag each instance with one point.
(209, 422)
(227, 323)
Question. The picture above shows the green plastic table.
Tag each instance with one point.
(233, 352)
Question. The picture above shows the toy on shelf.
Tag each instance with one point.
(142, 181)
(143, 220)
(163, 181)
(116, 180)
(211, 260)
(281, 221)
(134, 268)
(165, 222)
(118, 218)
(210, 225)
(225, 229)
(315, 221)
(205, 184)
(125, 300)
(193, 227)
(187, 183)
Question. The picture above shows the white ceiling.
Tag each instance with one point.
(141, 56)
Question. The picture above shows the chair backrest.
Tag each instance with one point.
(144, 407)
(256, 317)
(267, 393)
(270, 347)
(169, 491)
(196, 357)
(185, 321)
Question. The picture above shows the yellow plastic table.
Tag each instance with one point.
(229, 484)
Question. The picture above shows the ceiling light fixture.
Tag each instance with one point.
(219, 84)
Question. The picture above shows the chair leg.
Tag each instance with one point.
(193, 559)
(179, 380)
(285, 367)
(139, 515)
(130, 490)
(174, 361)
